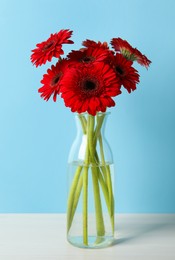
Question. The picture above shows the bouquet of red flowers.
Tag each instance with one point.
(88, 79)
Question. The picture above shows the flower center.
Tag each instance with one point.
(48, 46)
(87, 59)
(89, 85)
(119, 70)
(55, 80)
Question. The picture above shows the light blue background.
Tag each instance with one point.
(35, 136)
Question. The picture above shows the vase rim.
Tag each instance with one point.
(98, 113)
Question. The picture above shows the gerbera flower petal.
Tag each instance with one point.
(141, 59)
(89, 43)
(64, 35)
(120, 45)
(50, 48)
(84, 106)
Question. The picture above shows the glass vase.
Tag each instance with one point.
(90, 209)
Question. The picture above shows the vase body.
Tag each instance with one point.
(90, 209)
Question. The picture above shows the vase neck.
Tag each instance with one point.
(90, 145)
(86, 122)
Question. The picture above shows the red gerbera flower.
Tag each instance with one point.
(90, 88)
(50, 48)
(100, 45)
(52, 80)
(128, 76)
(129, 52)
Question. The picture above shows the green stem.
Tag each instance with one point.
(102, 157)
(85, 205)
(71, 195)
(76, 200)
(83, 123)
(104, 183)
(111, 196)
(98, 206)
(104, 186)
(100, 120)
(90, 136)
(85, 191)
(97, 198)
(107, 176)
(104, 189)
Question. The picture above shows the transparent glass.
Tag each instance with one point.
(90, 210)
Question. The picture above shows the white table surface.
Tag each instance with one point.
(43, 236)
